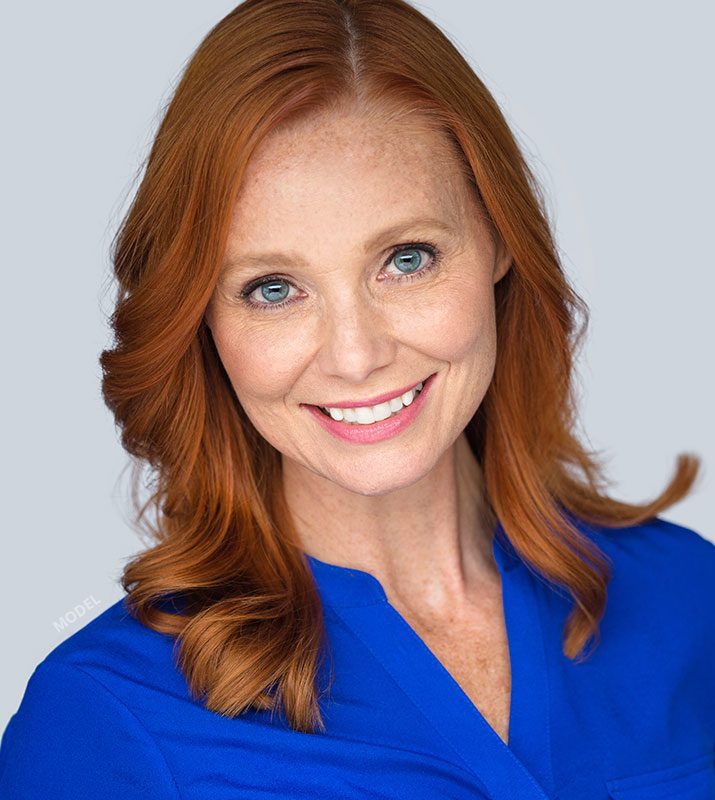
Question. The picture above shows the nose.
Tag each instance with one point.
(356, 340)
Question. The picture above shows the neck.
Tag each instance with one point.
(429, 544)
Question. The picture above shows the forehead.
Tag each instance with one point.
(359, 135)
(347, 171)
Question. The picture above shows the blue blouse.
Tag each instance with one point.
(107, 716)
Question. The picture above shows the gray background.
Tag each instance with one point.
(613, 105)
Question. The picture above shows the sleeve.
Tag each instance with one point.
(72, 738)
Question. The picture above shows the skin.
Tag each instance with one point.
(408, 510)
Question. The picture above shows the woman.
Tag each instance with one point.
(384, 566)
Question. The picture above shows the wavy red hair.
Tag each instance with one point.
(248, 624)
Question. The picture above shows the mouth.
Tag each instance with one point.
(367, 425)
(369, 415)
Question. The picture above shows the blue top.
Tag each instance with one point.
(106, 715)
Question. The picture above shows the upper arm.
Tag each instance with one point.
(71, 738)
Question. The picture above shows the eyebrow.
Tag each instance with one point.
(397, 231)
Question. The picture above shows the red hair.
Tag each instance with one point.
(250, 629)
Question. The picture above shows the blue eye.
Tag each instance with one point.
(272, 288)
(275, 289)
(410, 259)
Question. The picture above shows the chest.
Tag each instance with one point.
(475, 652)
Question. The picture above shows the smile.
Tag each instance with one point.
(368, 415)
(372, 424)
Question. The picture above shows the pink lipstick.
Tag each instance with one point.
(376, 431)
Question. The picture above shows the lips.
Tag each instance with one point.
(392, 414)
(357, 433)
(373, 401)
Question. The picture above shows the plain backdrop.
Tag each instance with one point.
(612, 103)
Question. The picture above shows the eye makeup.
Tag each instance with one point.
(428, 247)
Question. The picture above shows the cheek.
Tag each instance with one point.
(457, 323)
(261, 362)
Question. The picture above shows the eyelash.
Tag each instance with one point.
(430, 248)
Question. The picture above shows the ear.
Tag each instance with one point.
(502, 260)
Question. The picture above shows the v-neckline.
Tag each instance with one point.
(521, 767)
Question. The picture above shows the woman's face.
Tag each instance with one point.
(377, 272)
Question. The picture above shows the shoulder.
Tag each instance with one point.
(76, 732)
(118, 652)
(663, 572)
(657, 634)
(116, 649)
(659, 550)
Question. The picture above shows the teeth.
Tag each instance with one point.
(366, 415)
